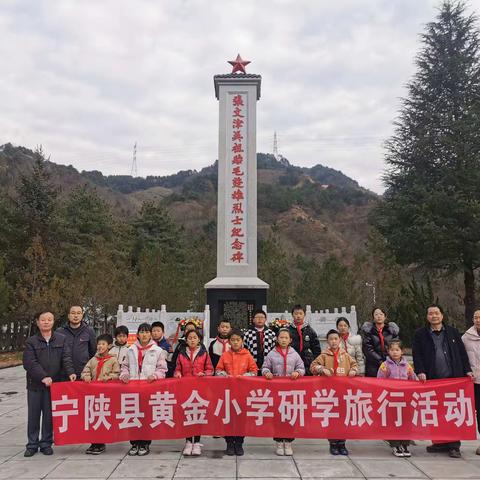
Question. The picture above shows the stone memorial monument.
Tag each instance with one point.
(236, 291)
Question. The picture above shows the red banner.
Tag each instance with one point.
(311, 407)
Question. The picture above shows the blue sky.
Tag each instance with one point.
(86, 79)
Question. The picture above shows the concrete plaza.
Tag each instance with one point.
(368, 459)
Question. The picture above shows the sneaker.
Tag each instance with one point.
(30, 452)
(90, 449)
(143, 450)
(197, 449)
(288, 449)
(454, 453)
(47, 450)
(478, 451)
(280, 449)
(406, 451)
(187, 449)
(334, 449)
(230, 449)
(343, 450)
(98, 449)
(133, 450)
(397, 451)
(239, 449)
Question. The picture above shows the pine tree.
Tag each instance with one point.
(431, 211)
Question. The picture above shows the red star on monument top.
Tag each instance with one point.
(238, 64)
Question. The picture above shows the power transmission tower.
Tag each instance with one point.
(134, 171)
(275, 145)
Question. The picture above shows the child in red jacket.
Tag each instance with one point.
(193, 361)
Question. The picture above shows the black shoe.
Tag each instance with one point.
(30, 452)
(133, 450)
(454, 453)
(143, 450)
(334, 450)
(343, 450)
(90, 449)
(230, 449)
(98, 449)
(47, 450)
(239, 449)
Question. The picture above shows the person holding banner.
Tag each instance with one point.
(471, 340)
(103, 367)
(335, 361)
(438, 352)
(193, 361)
(46, 359)
(397, 368)
(235, 362)
(283, 361)
(351, 343)
(145, 361)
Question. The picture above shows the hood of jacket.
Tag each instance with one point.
(354, 340)
(341, 351)
(392, 327)
(402, 363)
(151, 342)
(472, 334)
(184, 349)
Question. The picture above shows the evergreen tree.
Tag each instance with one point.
(431, 211)
(273, 268)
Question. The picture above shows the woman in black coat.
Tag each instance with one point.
(376, 335)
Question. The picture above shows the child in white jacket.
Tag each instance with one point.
(145, 360)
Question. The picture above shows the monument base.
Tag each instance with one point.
(235, 305)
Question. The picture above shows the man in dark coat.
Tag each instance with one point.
(46, 359)
(80, 338)
(438, 352)
(304, 338)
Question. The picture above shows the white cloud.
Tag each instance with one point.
(88, 79)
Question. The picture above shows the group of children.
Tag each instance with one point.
(258, 352)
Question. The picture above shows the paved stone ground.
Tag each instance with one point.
(368, 459)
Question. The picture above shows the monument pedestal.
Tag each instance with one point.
(235, 305)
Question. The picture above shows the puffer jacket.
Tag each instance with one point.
(201, 362)
(153, 363)
(372, 347)
(236, 363)
(353, 346)
(401, 370)
(110, 369)
(310, 343)
(274, 363)
(471, 340)
(120, 351)
(327, 360)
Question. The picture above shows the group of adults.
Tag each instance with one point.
(438, 351)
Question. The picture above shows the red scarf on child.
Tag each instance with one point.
(284, 355)
(262, 338)
(140, 355)
(345, 337)
(299, 330)
(224, 342)
(192, 358)
(101, 361)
